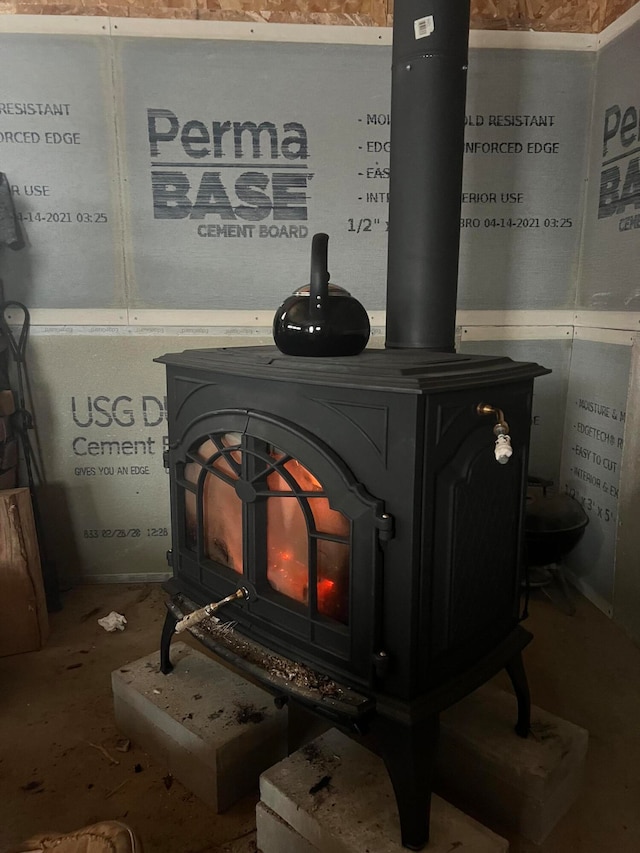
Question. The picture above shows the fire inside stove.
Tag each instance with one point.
(235, 484)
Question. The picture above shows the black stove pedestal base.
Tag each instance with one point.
(404, 734)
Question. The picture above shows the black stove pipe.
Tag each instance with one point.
(427, 147)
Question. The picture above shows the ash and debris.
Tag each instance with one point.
(324, 764)
(296, 674)
(311, 752)
(320, 784)
(246, 712)
(542, 731)
(34, 787)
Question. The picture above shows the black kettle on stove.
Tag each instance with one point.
(321, 319)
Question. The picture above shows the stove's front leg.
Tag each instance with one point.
(517, 674)
(409, 753)
(168, 630)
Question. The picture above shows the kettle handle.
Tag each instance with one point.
(319, 281)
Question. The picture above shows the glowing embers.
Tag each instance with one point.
(304, 533)
(303, 546)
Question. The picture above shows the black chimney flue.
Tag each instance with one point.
(430, 56)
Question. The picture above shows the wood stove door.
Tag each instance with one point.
(258, 502)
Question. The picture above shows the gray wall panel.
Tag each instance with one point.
(526, 136)
(611, 253)
(100, 408)
(593, 441)
(525, 254)
(526, 155)
(626, 593)
(57, 148)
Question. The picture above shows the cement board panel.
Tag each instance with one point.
(100, 404)
(593, 442)
(611, 253)
(626, 601)
(212, 219)
(57, 149)
(218, 216)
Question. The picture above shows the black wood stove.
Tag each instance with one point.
(355, 511)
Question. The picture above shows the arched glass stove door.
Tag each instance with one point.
(260, 500)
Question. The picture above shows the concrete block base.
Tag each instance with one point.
(524, 784)
(335, 796)
(210, 728)
(274, 835)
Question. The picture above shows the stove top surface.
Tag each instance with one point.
(399, 369)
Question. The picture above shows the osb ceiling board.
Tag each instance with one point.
(357, 12)
(490, 14)
(563, 16)
(583, 16)
(353, 12)
(341, 12)
(616, 8)
(498, 15)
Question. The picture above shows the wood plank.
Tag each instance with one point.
(24, 624)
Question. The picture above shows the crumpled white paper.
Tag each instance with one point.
(113, 622)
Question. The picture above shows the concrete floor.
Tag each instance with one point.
(57, 732)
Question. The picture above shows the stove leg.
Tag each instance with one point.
(516, 671)
(409, 753)
(168, 630)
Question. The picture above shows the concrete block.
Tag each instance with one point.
(524, 784)
(336, 795)
(274, 835)
(212, 729)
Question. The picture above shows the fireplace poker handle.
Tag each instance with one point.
(209, 610)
